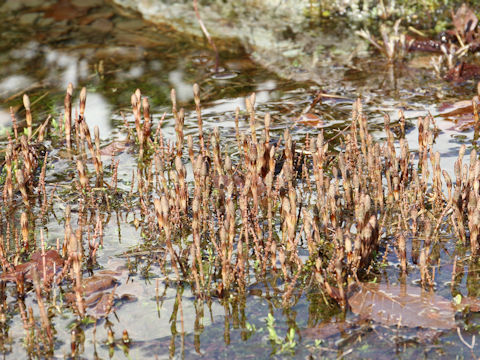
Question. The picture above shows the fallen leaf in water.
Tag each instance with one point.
(310, 119)
(461, 113)
(53, 263)
(458, 108)
(327, 329)
(99, 302)
(463, 72)
(111, 272)
(403, 305)
(98, 283)
(114, 148)
(97, 305)
(470, 303)
(93, 286)
(103, 305)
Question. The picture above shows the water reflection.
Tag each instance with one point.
(99, 113)
(67, 65)
(30, 51)
(5, 120)
(263, 94)
(13, 84)
(183, 89)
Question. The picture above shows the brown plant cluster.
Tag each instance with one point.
(313, 215)
(453, 45)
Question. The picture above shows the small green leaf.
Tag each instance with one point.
(458, 299)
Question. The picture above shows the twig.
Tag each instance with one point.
(207, 35)
(470, 346)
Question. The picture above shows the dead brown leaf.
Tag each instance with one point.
(470, 303)
(53, 263)
(403, 305)
(114, 148)
(98, 283)
(463, 72)
(310, 119)
(326, 330)
(458, 108)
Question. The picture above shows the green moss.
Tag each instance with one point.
(426, 14)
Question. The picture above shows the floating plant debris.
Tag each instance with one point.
(463, 72)
(464, 113)
(423, 44)
(98, 301)
(459, 108)
(397, 305)
(310, 119)
(46, 265)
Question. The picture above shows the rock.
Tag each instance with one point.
(278, 34)
(130, 24)
(10, 6)
(28, 18)
(126, 38)
(102, 25)
(87, 3)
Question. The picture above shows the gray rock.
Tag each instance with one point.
(28, 18)
(44, 22)
(277, 33)
(102, 25)
(11, 6)
(130, 25)
(87, 3)
(34, 3)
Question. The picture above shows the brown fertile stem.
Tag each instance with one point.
(26, 104)
(68, 116)
(14, 123)
(196, 96)
(21, 184)
(24, 226)
(41, 306)
(83, 100)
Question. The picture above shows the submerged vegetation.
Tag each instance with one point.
(452, 45)
(306, 217)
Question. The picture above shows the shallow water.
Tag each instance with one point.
(112, 52)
